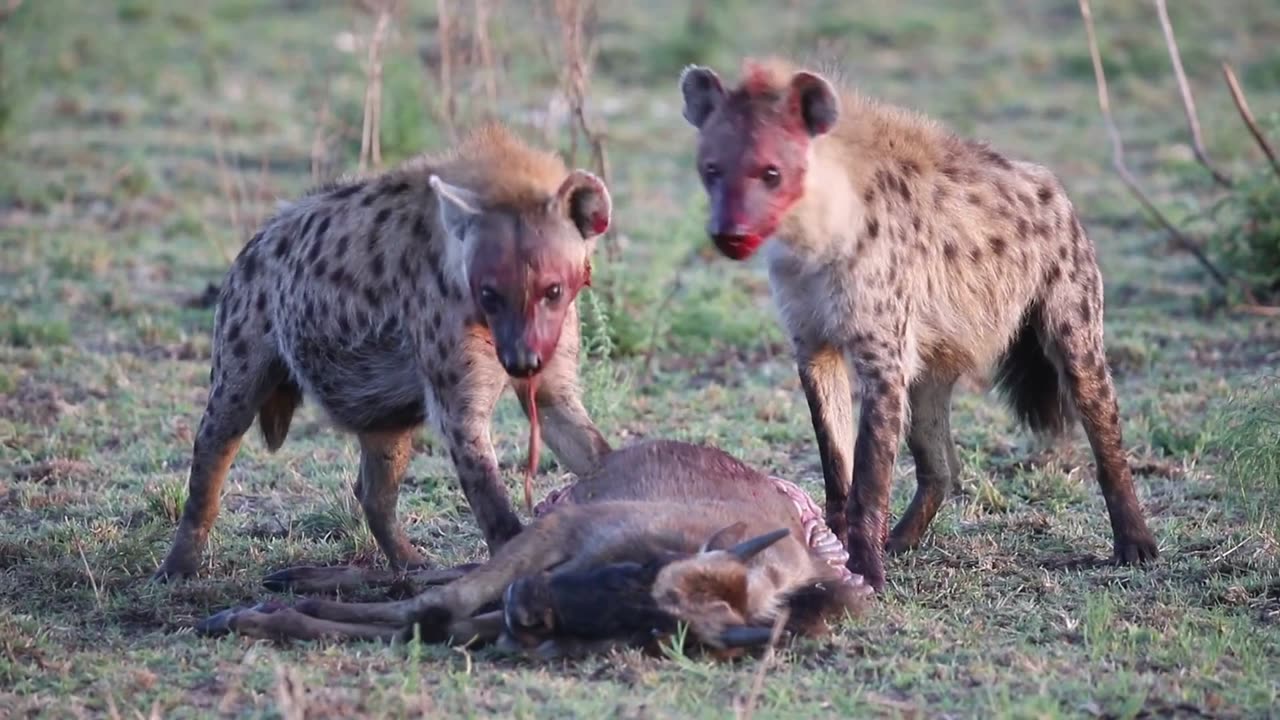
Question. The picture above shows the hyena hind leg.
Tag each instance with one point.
(931, 445)
(384, 458)
(1072, 320)
(244, 383)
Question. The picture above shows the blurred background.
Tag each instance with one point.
(142, 141)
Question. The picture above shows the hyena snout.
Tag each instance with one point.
(520, 360)
(734, 238)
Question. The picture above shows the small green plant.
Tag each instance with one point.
(1248, 241)
(606, 382)
(164, 501)
(1247, 434)
(406, 126)
(340, 519)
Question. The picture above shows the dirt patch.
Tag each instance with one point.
(50, 472)
(1261, 350)
(33, 402)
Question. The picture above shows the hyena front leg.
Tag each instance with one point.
(567, 427)
(465, 413)
(1072, 320)
(825, 379)
(933, 451)
(874, 454)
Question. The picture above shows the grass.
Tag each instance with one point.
(115, 214)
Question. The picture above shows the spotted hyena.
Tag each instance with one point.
(912, 256)
(417, 295)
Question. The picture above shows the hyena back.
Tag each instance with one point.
(417, 295)
(913, 256)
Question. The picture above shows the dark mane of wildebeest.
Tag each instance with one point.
(662, 533)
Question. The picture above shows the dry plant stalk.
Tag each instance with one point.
(448, 104)
(290, 694)
(1130, 182)
(370, 147)
(572, 16)
(748, 708)
(484, 46)
(1188, 103)
(1242, 105)
(228, 192)
(320, 138)
(9, 8)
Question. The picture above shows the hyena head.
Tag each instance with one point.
(526, 264)
(753, 147)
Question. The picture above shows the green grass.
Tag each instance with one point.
(115, 213)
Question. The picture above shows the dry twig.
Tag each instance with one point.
(572, 16)
(228, 191)
(676, 286)
(320, 138)
(1243, 106)
(448, 105)
(370, 146)
(97, 592)
(1188, 103)
(1117, 160)
(290, 694)
(485, 47)
(9, 8)
(746, 710)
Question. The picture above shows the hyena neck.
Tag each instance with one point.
(820, 226)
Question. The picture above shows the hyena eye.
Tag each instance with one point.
(554, 292)
(771, 177)
(490, 300)
(711, 171)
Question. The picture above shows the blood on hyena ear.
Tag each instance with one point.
(702, 92)
(457, 205)
(585, 200)
(815, 101)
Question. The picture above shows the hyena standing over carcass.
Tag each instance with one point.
(416, 295)
(914, 256)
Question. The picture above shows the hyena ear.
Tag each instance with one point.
(585, 200)
(457, 205)
(702, 92)
(815, 101)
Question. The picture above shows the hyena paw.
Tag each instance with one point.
(867, 561)
(172, 571)
(1136, 550)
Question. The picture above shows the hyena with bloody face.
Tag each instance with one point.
(418, 295)
(914, 256)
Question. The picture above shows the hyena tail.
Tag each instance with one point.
(276, 413)
(1030, 381)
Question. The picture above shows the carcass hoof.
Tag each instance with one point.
(223, 623)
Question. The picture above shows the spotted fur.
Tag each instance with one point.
(902, 256)
(410, 297)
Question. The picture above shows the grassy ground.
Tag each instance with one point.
(142, 139)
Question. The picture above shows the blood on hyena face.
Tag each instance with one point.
(525, 266)
(753, 145)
